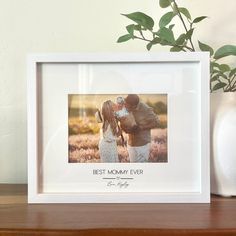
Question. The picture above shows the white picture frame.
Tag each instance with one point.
(184, 77)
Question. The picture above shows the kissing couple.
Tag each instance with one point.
(135, 118)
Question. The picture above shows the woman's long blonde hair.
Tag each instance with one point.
(109, 117)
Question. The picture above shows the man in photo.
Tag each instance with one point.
(139, 136)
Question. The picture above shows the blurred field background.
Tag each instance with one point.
(84, 131)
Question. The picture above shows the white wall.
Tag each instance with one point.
(29, 26)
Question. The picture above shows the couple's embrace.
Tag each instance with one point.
(136, 119)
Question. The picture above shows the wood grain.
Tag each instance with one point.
(13, 193)
(217, 218)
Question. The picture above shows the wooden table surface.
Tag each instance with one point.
(20, 218)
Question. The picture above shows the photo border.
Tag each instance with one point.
(34, 186)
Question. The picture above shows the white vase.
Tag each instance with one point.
(223, 143)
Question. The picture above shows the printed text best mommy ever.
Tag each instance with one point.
(117, 172)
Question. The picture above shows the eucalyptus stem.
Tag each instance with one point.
(185, 27)
(141, 33)
(190, 49)
(143, 38)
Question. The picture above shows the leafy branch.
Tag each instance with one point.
(222, 75)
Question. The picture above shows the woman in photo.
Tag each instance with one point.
(109, 134)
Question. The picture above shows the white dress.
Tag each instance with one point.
(108, 147)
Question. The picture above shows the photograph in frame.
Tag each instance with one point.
(105, 128)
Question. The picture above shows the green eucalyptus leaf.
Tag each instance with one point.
(166, 19)
(198, 19)
(185, 12)
(211, 68)
(232, 72)
(215, 71)
(205, 48)
(137, 27)
(164, 3)
(219, 86)
(156, 40)
(153, 42)
(171, 26)
(214, 78)
(180, 40)
(219, 73)
(227, 50)
(189, 33)
(222, 75)
(166, 43)
(149, 46)
(124, 38)
(224, 67)
(166, 35)
(213, 65)
(130, 29)
(141, 19)
(176, 49)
